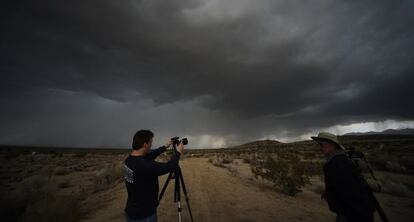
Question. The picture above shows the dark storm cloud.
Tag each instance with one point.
(273, 65)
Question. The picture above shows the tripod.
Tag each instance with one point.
(178, 176)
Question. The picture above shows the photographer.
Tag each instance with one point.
(346, 193)
(141, 176)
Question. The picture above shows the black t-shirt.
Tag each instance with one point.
(141, 180)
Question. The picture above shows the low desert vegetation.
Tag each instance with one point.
(108, 177)
(53, 186)
(288, 171)
(285, 172)
(289, 166)
(36, 199)
(67, 186)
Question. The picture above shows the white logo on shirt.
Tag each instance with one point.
(128, 174)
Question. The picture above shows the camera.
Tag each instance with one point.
(176, 141)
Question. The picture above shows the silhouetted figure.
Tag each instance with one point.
(141, 176)
(347, 195)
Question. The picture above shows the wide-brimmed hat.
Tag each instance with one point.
(324, 136)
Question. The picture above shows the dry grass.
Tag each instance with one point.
(63, 184)
(108, 177)
(35, 199)
(51, 187)
(61, 171)
(396, 184)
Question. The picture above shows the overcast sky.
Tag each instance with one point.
(221, 72)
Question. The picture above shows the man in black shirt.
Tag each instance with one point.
(345, 191)
(141, 176)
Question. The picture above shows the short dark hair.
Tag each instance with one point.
(141, 137)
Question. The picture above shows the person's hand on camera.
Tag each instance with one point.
(180, 148)
(168, 144)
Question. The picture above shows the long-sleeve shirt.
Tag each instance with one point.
(345, 192)
(141, 180)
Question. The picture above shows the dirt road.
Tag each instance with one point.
(216, 195)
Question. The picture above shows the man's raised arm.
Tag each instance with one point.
(154, 153)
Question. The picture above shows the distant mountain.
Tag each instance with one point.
(261, 143)
(407, 131)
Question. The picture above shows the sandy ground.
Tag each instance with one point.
(216, 195)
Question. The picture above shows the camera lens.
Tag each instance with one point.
(185, 141)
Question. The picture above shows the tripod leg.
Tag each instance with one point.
(179, 211)
(165, 186)
(185, 193)
(177, 193)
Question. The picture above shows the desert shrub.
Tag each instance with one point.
(255, 159)
(395, 167)
(31, 184)
(197, 155)
(62, 171)
(409, 185)
(219, 161)
(57, 155)
(52, 207)
(80, 154)
(233, 171)
(13, 205)
(226, 161)
(82, 165)
(309, 155)
(287, 174)
(246, 160)
(219, 164)
(63, 184)
(34, 200)
(12, 154)
(312, 168)
(396, 188)
(108, 176)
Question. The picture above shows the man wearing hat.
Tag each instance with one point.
(345, 192)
